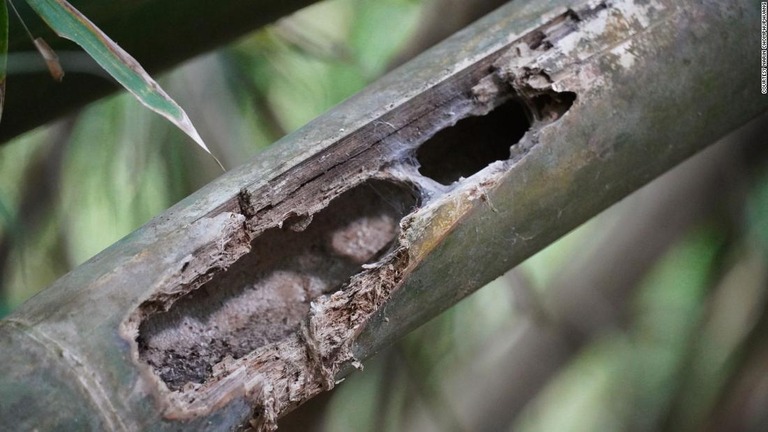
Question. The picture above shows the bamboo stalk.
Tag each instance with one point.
(270, 284)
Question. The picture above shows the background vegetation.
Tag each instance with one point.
(648, 317)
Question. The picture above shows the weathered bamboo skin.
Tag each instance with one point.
(617, 93)
(643, 106)
(160, 34)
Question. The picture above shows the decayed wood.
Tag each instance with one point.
(159, 33)
(274, 281)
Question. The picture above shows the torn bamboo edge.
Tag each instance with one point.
(651, 81)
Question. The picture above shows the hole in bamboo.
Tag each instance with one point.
(263, 297)
(550, 106)
(473, 143)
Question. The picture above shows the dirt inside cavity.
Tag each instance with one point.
(264, 296)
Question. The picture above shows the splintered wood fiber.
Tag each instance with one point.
(265, 295)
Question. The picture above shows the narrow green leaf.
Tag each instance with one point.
(69, 23)
(3, 51)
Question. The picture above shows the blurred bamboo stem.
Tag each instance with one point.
(267, 286)
(160, 34)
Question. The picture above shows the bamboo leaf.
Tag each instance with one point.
(3, 51)
(70, 24)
